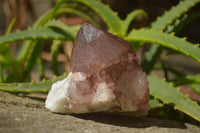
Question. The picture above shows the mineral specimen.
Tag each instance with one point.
(105, 76)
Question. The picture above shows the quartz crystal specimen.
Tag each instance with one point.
(105, 76)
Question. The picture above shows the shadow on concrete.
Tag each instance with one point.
(130, 121)
(40, 99)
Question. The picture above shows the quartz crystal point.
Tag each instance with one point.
(105, 76)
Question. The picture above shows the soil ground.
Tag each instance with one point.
(27, 114)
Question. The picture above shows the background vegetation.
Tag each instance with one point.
(156, 39)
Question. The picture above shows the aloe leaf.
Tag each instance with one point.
(173, 14)
(188, 79)
(178, 22)
(172, 70)
(166, 40)
(109, 16)
(196, 88)
(129, 19)
(37, 46)
(161, 23)
(54, 53)
(151, 57)
(76, 27)
(192, 80)
(24, 51)
(42, 33)
(41, 67)
(62, 26)
(6, 57)
(50, 14)
(11, 25)
(154, 103)
(38, 24)
(186, 20)
(1, 74)
(171, 95)
(76, 12)
(43, 19)
(176, 72)
(32, 58)
(42, 86)
(27, 44)
(165, 70)
(182, 22)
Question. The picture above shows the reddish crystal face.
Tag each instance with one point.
(96, 49)
(105, 58)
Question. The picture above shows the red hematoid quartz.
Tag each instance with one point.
(113, 79)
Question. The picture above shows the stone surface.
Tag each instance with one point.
(106, 76)
(27, 114)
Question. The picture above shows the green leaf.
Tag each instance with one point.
(42, 86)
(186, 20)
(129, 19)
(196, 88)
(27, 44)
(11, 25)
(42, 33)
(5, 54)
(154, 103)
(58, 24)
(166, 40)
(171, 95)
(76, 12)
(33, 56)
(174, 13)
(50, 14)
(76, 27)
(151, 57)
(43, 19)
(1, 74)
(24, 51)
(109, 16)
(188, 79)
(54, 53)
(38, 24)
(192, 80)
(162, 23)
(41, 67)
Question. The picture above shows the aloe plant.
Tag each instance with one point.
(160, 33)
